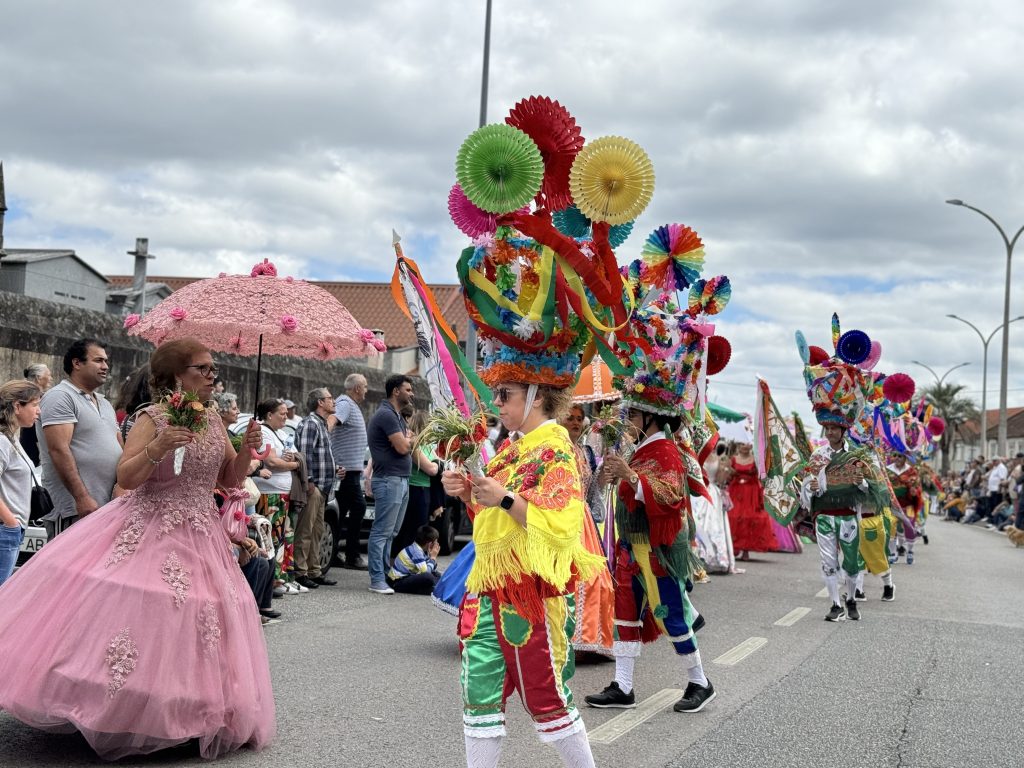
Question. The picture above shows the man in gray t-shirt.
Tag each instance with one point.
(79, 442)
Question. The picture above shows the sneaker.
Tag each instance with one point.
(308, 583)
(910, 558)
(695, 698)
(901, 550)
(382, 589)
(836, 613)
(280, 591)
(612, 697)
(860, 596)
(852, 612)
(888, 594)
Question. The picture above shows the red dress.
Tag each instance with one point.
(750, 524)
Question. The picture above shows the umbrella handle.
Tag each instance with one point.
(261, 455)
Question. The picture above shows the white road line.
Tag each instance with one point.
(741, 651)
(823, 593)
(622, 724)
(792, 617)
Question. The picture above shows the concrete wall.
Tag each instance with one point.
(37, 331)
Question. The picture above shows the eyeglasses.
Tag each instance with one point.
(502, 394)
(205, 369)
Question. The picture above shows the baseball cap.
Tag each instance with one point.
(289, 404)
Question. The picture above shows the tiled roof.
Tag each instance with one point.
(371, 304)
(971, 430)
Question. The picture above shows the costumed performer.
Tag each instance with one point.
(750, 523)
(906, 483)
(153, 638)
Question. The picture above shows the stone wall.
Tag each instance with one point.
(37, 331)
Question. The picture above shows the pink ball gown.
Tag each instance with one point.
(143, 631)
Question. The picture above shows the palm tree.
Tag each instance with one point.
(955, 409)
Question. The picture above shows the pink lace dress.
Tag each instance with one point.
(136, 626)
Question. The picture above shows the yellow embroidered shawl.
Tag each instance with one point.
(540, 467)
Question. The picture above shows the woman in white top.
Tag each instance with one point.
(19, 409)
(274, 503)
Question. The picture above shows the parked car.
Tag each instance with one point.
(35, 538)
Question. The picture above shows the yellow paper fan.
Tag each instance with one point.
(612, 180)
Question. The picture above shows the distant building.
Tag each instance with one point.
(968, 437)
(117, 297)
(55, 275)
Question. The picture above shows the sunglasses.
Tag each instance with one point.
(205, 369)
(502, 394)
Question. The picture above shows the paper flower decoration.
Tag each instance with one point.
(131, 320)
(898, 388)
(558, 138)
(612, 180)
(718, 354)
(709, 296)
(289, 324)
(936, 426)
(802, 348)
(854, 347)
(672, 257)
(471, 220)
(818, 356)
(265, 268)
(178, 314)
(499, 168)
(572, 223)
(873, 357)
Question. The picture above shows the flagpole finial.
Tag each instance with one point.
(395, 239)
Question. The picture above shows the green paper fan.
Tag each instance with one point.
(499, 168)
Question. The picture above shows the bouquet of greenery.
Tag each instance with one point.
(457, 439)
(612, 430)
(184, 409)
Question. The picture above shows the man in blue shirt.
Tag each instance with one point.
(391, 452)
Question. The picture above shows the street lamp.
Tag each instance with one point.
(939, 379)
(1004, 372)
(984, 374)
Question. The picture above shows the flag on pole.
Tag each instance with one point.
(779, 461)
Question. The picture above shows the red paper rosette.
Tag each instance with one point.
(936, 426)
(719, 352)
(558, 137)
(817, 355)
(898, 388)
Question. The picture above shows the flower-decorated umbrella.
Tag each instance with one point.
(255, 314)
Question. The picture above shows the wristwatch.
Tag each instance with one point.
(507, 501)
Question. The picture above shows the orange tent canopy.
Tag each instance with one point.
(595, 384)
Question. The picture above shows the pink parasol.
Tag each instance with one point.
(256, 314)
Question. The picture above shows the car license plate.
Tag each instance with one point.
(31, 544)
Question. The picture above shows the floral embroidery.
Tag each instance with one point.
(209, 625)
(560, 486)
(177, 577)
(128, 537)
(122, 656)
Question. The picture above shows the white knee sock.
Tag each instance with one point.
(695, 674)
(910, 545)
(832, 585)
(482, 753)
(575, 750)
(887, 578)
(860, 581)
(851, 586)
(624, 672)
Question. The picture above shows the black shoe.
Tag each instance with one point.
(323, 581)
(836, 613)
(924, 538)
(860, 596)
(270, 613)
(901, 551)
(852, 613)
(888, 594)
(695, 698)
(307, 582)
(356, 564)
(698, 623)
(612, 697)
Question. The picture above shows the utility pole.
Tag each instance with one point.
(3, 210)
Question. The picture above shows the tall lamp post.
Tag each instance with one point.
(984, 373)
(1004, 372)
(942, 378)
(471, 343)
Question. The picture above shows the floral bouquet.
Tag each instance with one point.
(458, 439)
(184, 409)
(612, 430)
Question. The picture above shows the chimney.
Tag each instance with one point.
(138, 294)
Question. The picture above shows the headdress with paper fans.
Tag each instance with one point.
(836, 386)
(612, 180)
(672, 325)
(538, 297)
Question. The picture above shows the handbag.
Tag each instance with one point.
(40, 503)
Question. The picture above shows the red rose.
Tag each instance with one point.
(529, 481)
(548, 454)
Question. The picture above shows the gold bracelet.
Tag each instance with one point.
(152, 461)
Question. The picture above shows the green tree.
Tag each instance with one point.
(955, 408)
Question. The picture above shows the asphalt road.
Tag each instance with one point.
(930, 680)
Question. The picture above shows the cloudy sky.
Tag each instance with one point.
(811, 143)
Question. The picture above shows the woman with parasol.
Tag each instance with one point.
(153, 638)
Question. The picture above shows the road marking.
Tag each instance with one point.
(622, 724)
(823, 593)
(792, 617)
(741, 651)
